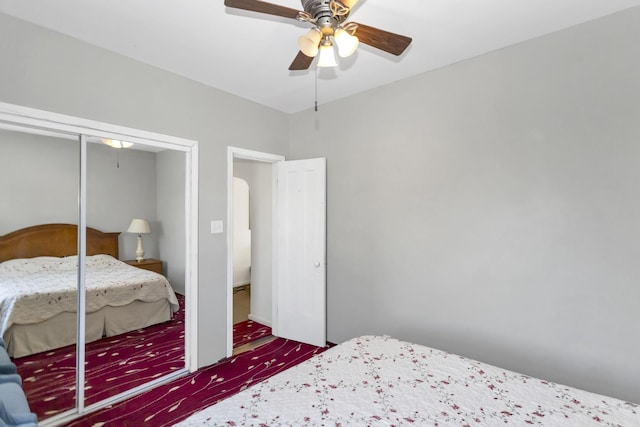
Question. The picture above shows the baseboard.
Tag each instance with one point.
(260, 320)
(246, 282)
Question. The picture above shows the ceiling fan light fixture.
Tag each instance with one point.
(308, 43)
(347, 44)
(117, 144)
(327, 57)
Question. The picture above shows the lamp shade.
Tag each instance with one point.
(308, 43)
(139, 226)
(347, 44)
(327, 57)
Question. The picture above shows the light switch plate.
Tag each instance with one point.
(216, 227)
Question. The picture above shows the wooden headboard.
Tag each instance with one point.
(55, 240)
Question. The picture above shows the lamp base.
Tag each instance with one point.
(139, 250)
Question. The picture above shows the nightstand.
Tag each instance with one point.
(147, 264)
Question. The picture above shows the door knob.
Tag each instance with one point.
(317, 264)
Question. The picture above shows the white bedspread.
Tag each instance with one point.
(383, 381)
(35, 289)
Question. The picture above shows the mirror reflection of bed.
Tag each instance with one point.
(39, 314)
(38, 272)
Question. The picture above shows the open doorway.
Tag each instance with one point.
(289, 259)
(241, 234)
(251, 232)
(250, 225)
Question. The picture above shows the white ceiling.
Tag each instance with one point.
(248, 54)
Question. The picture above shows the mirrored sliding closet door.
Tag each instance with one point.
(135, 285)
(40, 173)
(97, 259)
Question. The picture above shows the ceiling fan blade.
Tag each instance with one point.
(262, 7)
(383, 40)
(301, 62)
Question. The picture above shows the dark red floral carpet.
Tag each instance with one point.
(248, 331)
(168, 404)
(113, 365)
(116, 364)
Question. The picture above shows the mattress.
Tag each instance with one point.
(374, 380)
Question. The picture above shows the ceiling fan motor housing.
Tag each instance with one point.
(320, 11)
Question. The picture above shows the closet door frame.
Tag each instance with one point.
(40, 121)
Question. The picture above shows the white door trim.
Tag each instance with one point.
(258, 156)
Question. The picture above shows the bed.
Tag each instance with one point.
(38, 298)
(374, 380)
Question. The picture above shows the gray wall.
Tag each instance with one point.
(491, 208)
(42, 177)
(49, 71)
(171, 176)
(39, 176)
(121, 186)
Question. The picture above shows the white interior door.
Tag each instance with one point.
(300, 243)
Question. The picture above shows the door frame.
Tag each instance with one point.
(258, 156)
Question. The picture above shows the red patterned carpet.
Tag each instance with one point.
(113, 365)
(170, 403)
(248, 331)
(120, 363)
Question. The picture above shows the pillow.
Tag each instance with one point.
(35, 265)
(49, 263)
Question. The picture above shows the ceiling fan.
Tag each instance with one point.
(328, 18)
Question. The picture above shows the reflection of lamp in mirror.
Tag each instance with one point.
(139, 227)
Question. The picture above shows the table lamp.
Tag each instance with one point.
(139, 227)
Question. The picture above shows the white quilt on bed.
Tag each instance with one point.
(36, 289)
(382, 381)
